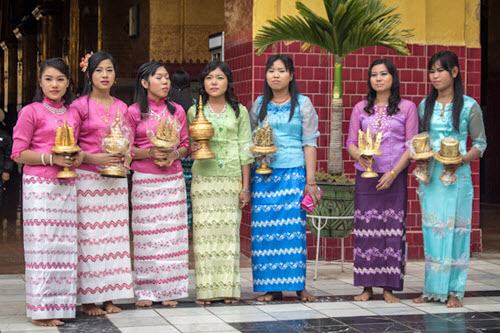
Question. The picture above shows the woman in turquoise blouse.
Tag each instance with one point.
(220, 188)
(279, 250)
(447, 209)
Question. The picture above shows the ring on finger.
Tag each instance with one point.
(66, 157)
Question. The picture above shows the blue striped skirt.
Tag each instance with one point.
(279, 250)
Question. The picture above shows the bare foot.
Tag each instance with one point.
(202, 302)
(171, 304)
(92, 310)
(453, 302)
(109, 307)
(420, 300)
(365, 295)
(268, 297)
(144, 303)
(231, 300)
(47, 322)
(304, 296)
(389, 297)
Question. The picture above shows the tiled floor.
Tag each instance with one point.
(334, 310)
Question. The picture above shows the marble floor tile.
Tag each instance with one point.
(249, 318)
(244, 309)
(205, 327)
(193, 319)
(397, 311)
(150, 329)
(140, 313)
(332, 306)
(308, 314)
(442, 309)
(337, 313)
(191, 311)
(138, 321)
(283, 307)
(484, 307)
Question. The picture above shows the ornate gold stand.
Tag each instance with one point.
(65, 144)
(115, 143)
(263, 143)
(201, 130)
(264, 169)
(369, 148)
(166, 137)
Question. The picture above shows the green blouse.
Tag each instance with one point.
(230, 143)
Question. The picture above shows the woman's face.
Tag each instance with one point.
(54, 84)
(158, 84)
(278, 77)
(103, 76)
(440, 78)
(380, 79)
(216, 83)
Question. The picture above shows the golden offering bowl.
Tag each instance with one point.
(423, 151)
(448, 155)
(166, 137)
(368, 147)
(263, 169)
(115, 143)
(201, 130)
(422, 146)
(65, 144)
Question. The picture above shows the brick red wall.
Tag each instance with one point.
(314, 73)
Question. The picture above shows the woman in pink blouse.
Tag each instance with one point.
(380, 202)
(159, 217)
(49, 203)
(104, 271)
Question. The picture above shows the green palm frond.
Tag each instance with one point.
(350, 25)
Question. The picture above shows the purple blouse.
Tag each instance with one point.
(397, 130)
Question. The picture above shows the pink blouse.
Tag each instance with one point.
(94, 127)
(143, 129)
(396, 131)
(36, 130)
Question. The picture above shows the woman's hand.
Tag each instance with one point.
(158, 153)
(385, 181)
(127, 160)
(422, 163)
(314, 193)
(244, 199)
(105, 159)
(78, 158)
(365, 161)
(453, 167)
(195, 145)
(64, 160)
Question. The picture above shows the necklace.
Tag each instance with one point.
(215, 113)
(105, 116)
(380, 113)
(281, 102)
(59, 111)
(444, 107)
(158, 115)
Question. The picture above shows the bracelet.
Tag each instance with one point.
(177, 154)
(51, 161)
(245, 191)
(43, 159)
(149, 152)
(312, 184)
(393, 174)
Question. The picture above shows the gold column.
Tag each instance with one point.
(74, 45)
(9, 73)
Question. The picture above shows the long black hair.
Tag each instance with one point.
(147, 70)
(181, 89)
(93, 62)
(61, 66)
(448, 61)
(395, 97)
(293, 89)
(230, 95)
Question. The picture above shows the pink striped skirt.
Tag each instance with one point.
(159, 224)
(50, 247)
(104, 267)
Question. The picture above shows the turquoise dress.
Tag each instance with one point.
(447, 210)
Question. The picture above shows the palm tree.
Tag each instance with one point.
(351, 25)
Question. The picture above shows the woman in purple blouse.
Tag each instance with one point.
(380, 203)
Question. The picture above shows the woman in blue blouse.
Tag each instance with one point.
(279, 251)
(447, 209)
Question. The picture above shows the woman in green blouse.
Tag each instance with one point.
(220, 188)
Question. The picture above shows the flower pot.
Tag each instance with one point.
(337, 200)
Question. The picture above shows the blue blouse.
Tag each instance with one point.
(289, 136)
